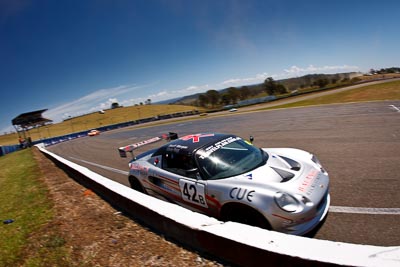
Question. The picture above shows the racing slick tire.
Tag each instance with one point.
(136, 185)
(243, 214)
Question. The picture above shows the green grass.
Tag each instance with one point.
(24, 198)
(384, 91)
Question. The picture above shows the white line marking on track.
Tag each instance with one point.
(360, 210)
(101, 166)
(395, 108)
(338, 209)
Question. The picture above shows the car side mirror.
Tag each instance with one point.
(251, 139)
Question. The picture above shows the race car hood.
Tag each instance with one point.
(290, 170)
(278, 169)
(308, 183)
(288, 167)
(263, 174)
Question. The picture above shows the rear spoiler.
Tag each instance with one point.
(129, 148)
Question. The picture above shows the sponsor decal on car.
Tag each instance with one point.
(139, 169)
(308, 184)
(176, 148)
(218, 145)
(240, 194)
(195, 137)
(249, 176)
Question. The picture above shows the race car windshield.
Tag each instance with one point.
(229, 157)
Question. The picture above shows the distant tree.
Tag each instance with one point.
(269, 85)
(226, 99)
(322, 82)
(148, 102)
(233, 94)
(307, 81)
(114, 105)
(390, 70)
(203, 101)
(213, 97)
(381, 71)
(281, 89)
(244, 93)
(272, 87)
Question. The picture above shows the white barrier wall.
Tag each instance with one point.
(233, 242)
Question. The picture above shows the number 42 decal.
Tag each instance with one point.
(193, 192)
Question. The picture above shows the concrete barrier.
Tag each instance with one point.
(231, 242)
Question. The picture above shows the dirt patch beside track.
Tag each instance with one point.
(95, 234)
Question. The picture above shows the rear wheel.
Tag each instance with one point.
(136, 185)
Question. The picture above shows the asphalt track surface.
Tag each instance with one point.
(358, 143)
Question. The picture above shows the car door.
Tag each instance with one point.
(178, 180)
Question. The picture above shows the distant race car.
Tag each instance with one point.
(93, 132)
(227, 177)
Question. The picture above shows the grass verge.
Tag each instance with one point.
(377, 92)
(27, 241)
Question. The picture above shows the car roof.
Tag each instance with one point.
(188, 144)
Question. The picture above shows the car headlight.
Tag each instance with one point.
(286, 202)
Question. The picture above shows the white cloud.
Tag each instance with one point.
(193, 89)
(100, 99)
(287, 73)
(231, 81)
(104, 105)
(245, 81)
(158, 95)
(294, 70)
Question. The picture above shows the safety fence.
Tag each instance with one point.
(59, 139)
(8, 149)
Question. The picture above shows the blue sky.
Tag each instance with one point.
(74, 56)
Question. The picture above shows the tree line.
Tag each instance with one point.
(213, 98)
(230, 96)
(385, 70)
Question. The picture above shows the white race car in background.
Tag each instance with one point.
(93, 132)
(227, 177)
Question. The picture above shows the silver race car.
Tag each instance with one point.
(227, 177)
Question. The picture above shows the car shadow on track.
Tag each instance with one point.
(314, 231)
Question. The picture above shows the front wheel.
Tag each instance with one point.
(246, 215)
